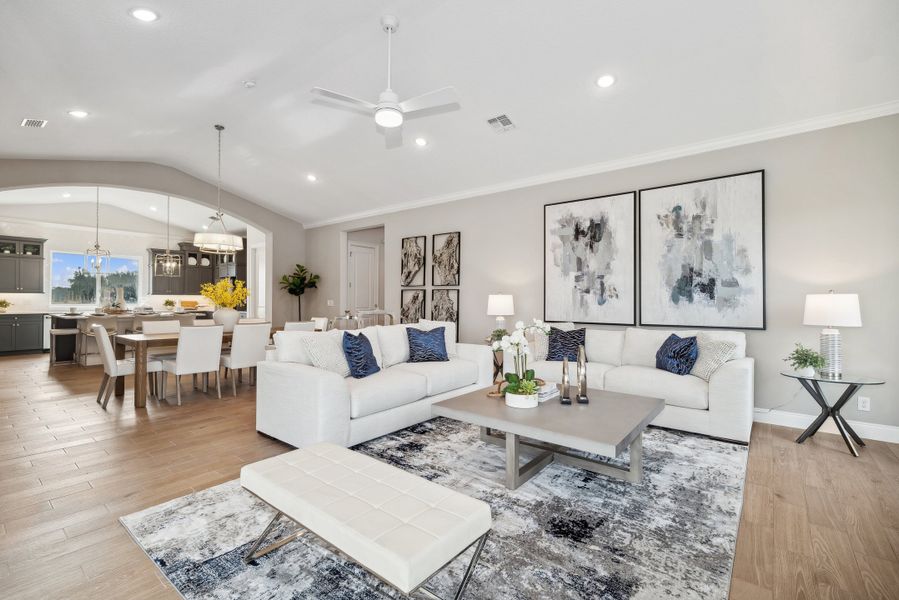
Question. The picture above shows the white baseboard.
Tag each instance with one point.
(868, 431)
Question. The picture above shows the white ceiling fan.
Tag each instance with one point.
(389, 111)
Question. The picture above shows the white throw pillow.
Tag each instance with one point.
(326, 352)
(604, 345)
(289, 346)
(712, 354)
(541, 340)
(371, 333)
(394, 344)
(641, 345)
(449, 333)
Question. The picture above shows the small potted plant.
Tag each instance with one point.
(169, 304)
(4, 304)
(522, 385)
(805, 361)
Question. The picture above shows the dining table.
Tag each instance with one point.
(140, 342)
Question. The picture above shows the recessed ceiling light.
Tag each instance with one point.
(153, 208)
(311, 177)
(144, 14)
(78, 114)
(421, 142)
(605, 81)
(249, 84)
(66, 195)
(205, 226)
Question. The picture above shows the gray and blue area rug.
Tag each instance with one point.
(566, 533)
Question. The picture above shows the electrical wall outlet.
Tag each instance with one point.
(864, 403)
(330, 303)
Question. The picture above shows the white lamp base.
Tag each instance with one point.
(500, 322)
(832, 351)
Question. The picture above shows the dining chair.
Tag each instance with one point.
(343, 323)
(247, 348)
(253, 321)
(368, 318)
(203, 323)
(151, 327)
(299, 326)
(113, 368)
(321, 323)
(86, 334)
(199, 351)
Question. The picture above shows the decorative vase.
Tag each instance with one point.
(227, 317)
(806, 371)
(522, 400)
(2, 309)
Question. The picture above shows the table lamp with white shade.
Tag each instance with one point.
(500, 306)
(831, 311)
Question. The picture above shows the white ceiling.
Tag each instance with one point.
(687, 72)
(185, 214)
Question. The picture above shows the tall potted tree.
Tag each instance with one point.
(297, 283)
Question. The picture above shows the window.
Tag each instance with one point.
(71, 284)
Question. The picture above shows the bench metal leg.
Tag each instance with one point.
(253, 554)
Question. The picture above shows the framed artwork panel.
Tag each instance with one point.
(412, 261)
(446, 260)
(412, 305)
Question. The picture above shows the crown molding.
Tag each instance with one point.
(750, 137)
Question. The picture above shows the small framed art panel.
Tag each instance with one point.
(589, 268)
(702, 253)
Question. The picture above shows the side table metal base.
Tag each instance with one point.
(847, 433)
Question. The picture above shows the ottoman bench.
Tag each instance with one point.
(398, 526)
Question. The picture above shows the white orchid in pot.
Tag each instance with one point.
(521, 386)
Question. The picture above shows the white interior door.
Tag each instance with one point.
(362, 283)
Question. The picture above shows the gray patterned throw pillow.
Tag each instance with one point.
(326, 352)
(712, 354)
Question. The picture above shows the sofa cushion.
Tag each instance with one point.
(426, 346)
(604, 345)
(564, 344)
(359, 355)
(371, 333)
(736, 337)
(443, 376)
(394, 344)
(712, 354)
(677, 355)
(384, 390)
(551, 372)
(289, 346)
(449, 331)
(326, 352)
(541, 340)
(641, 345)
(677, 390)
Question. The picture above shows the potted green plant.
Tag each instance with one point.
(521, 386)
(169, 303)
(4, 304)
(805, 361)
(297, 283)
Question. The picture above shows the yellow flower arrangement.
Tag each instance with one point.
(224, 294)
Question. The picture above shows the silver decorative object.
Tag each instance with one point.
(832, 351)
(566, 384)
(582, 376)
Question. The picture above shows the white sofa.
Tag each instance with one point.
(301, 404)
(624, 361)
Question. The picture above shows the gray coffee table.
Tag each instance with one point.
(606, 426)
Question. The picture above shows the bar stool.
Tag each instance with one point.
(54, 333)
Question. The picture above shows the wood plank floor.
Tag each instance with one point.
(816, 522)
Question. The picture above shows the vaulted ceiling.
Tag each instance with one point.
(687, 72)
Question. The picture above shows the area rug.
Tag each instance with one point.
(566, 533)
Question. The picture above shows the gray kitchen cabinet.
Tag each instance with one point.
(21, 265)
(9, 282)
(31, 276)
(21, 333)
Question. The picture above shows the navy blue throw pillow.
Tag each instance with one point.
(427, 346)
(564, 344)
(677, 355)
(359, 355)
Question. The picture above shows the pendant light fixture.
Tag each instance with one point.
(211, 242)
(96, 259)
(165, 263)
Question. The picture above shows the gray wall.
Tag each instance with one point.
(832, 210)
(285, 246)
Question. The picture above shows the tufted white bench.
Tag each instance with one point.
(400, 527)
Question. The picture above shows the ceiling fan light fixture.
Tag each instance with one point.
(388, 117)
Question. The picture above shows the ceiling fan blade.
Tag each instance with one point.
(343, 98)
(437, 98)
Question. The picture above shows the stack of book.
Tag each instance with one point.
(547, 392)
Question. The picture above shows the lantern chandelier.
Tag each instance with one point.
(96, 259)
(221, 242)
(167, 264)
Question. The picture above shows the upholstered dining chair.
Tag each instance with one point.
(247, 348)
(299, 326)
(113, 369)
(199, 352)
(321, 323)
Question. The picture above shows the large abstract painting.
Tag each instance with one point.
(447, 257)
(702, 253)
(413, 261)
(412, 305)
(445, 306)
(590, 260)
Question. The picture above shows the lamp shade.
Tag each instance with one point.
(500, 305)
(832, 310)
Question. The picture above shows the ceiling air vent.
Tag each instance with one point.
(34, 123)
(501, 123)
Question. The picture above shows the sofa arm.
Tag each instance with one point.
(483, 356)
(732, 397)
(301, 404)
